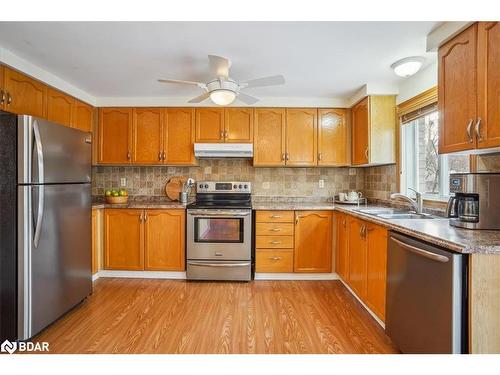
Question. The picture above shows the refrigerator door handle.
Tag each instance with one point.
(39, 151)
(39, 215)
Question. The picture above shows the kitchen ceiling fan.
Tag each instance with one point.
(223, 90)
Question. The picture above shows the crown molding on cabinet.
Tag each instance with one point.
(18, 63)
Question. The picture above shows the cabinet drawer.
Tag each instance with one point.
(273, 261)
(275, 229)
(274, 217)
(274, 242)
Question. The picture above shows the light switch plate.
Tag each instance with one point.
(123, 182)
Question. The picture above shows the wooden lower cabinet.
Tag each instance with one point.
(270, 260)
(136, 239)
(376, 269)
(357, 257)
(95, 242)
(313, 241)
(123, 239)
(164, 240)
(342, 258)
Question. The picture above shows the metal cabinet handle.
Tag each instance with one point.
(469, 130)
(129, 155)
(297, 218)
(9, 98)
(366, 153)
(140, 217)
(274, 230)
(2, 97)
(275, 216)
(159, 155)
(225, 134)
(422, 252)
(320, 156)
(164, 155)
(274, 258)
(478, 130)
(145, 215)
(274, 242)
(287, 156)
(200, 264)
(222, 134)
(283, 157)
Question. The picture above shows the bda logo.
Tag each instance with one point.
(8, 347)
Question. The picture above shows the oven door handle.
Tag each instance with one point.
(200, 264)
(232, 214)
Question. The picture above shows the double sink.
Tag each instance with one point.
(389, 213)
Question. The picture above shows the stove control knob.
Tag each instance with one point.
(235, 186)
(246, 186)
(241, 186)
(206, 186)
(201, 186)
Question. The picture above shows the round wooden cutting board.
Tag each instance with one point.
(174, 187)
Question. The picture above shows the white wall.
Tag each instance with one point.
(423, 80)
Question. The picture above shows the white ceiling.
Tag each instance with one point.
(124, 59)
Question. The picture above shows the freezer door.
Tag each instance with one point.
(54, 253)
(49, 153)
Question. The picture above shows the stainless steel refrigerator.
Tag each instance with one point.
(45, 219)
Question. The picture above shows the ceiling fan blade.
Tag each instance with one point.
(265, 81)
(247, 99)
(199, 84)
(219, 66)
(200, 98)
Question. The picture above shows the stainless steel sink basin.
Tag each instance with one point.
(405, 216)
(376, 211)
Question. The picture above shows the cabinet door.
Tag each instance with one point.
(269, 137)
(60, 107)
(332, 137)
(376, 269)
(179, 136)
(301, 137)
(313, 241)
(238, 123)
(3, 94)
(83, 117)
(24, 95)
(123, 239)
(342, 259)
(95, 238)
(115, 134)
(209, 125)
(164, 240)
(457, 92)
(357, 257)
(360, 132)
(487, 125)
(147, 144)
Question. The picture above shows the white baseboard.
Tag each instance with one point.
(362, 303)
(95, 276)
(296, 276)
(141, 274)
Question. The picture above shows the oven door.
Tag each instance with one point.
(219, 234)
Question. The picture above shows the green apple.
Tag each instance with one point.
(123, 193)
(107, 193)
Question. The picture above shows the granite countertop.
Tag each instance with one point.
(293, 206)
(140, 202)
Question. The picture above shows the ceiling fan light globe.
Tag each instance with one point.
(222, 97)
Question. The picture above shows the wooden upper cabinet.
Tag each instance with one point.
(487, 123)
(147, 144)
(238, 125)
(457, 92)
(24, 95)
(313, 241)
(333, 141)
(123, 239)
(269, 137)
(376, 268)
(357, 256)
(179, 135)
(360, 130)
(115, 135)
(342, 258)
(209, 125)
(3, 94)
(164, 240)
(301, 137)
(83, 117)
(60, 107)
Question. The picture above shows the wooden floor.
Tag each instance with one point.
(166, 316)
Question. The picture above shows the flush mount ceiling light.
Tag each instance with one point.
(223, 90)
(408, 66)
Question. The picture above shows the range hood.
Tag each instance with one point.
(223, 150)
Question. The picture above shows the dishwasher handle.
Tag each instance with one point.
(421, 252)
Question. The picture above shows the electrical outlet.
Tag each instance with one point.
(266, 185)
(123, 182)
(321, 184)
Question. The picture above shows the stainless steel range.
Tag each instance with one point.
(219, 232)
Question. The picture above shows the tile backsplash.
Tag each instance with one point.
(288, 182)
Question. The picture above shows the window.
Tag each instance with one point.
(421, 167)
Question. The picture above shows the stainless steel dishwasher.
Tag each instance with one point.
(426, 308)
